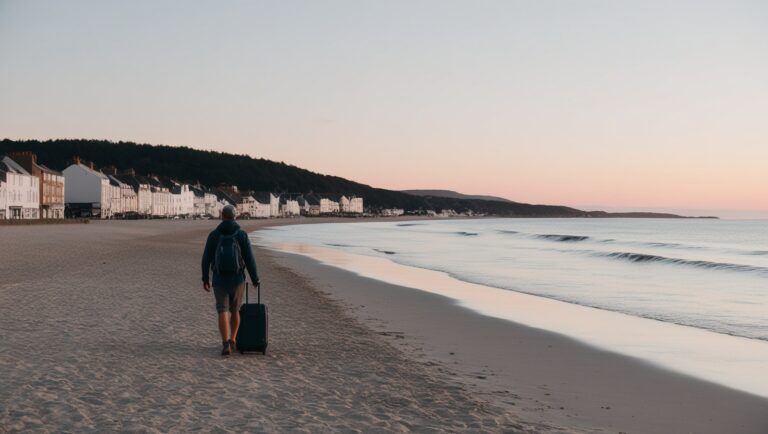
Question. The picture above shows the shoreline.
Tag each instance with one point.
(730, 361)
(593, 388)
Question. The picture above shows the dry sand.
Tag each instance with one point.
(105, 327)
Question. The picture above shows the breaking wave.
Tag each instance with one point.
(643, 258)
(564, 238)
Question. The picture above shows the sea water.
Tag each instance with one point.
(696, 287)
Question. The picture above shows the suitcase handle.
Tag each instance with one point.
(258, 293)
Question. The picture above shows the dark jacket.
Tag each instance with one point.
(228, 227)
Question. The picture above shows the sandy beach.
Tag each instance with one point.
(105, 327)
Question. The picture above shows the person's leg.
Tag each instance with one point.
(234, 302)
(224, 325)
(234, 324)
(222, 307)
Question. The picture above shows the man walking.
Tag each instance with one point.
(228, 252)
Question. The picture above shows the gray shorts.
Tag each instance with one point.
(229, 299)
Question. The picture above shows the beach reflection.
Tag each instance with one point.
(728, 360)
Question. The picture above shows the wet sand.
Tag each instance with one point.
(105, 327)
(536, 374)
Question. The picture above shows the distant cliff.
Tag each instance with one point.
(453, 194)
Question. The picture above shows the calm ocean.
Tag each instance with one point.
(710, 275)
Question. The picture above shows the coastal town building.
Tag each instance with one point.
(313, 205)
(329, 204)
(143, 189)
(343, 202)
(199, 200)
(346, 204)
(87, 192)
(21, 191)
(182, 199)
(115, 198)
(392, 212)
(267, 205)
(351, 204)
(3, 193)
(224, 197)
(274, 205)
(125, 200)
(289, 207)
(212, 205)
(161, 198)
(51, 185)
(82, 190)
(303, 205)
(205, 202)
(244, 203)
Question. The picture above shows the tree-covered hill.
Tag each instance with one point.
(216, 168)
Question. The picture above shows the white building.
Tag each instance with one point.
(392, 212)
(268, 204)
(244, 203)
(274, 205)
(3, 193)
(21, 191)
(127, 201)
(343, 203)
(351, 204)
(303, 205)
(206, 203)
(161, 202)
(261, 205)
(312, 206)
(289, 207)
(328, 205)
(213, 205)
(144, 198)
(161, 198)
(182, 200)
(115, 198)
(143, 189)
(84, 185)
(199, 201)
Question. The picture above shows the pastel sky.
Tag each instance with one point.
(618, 104)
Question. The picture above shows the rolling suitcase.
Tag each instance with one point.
(252, 334)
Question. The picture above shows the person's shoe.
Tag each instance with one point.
(227, 349)
(232, 346)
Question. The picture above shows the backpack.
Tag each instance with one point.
(228, 258)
